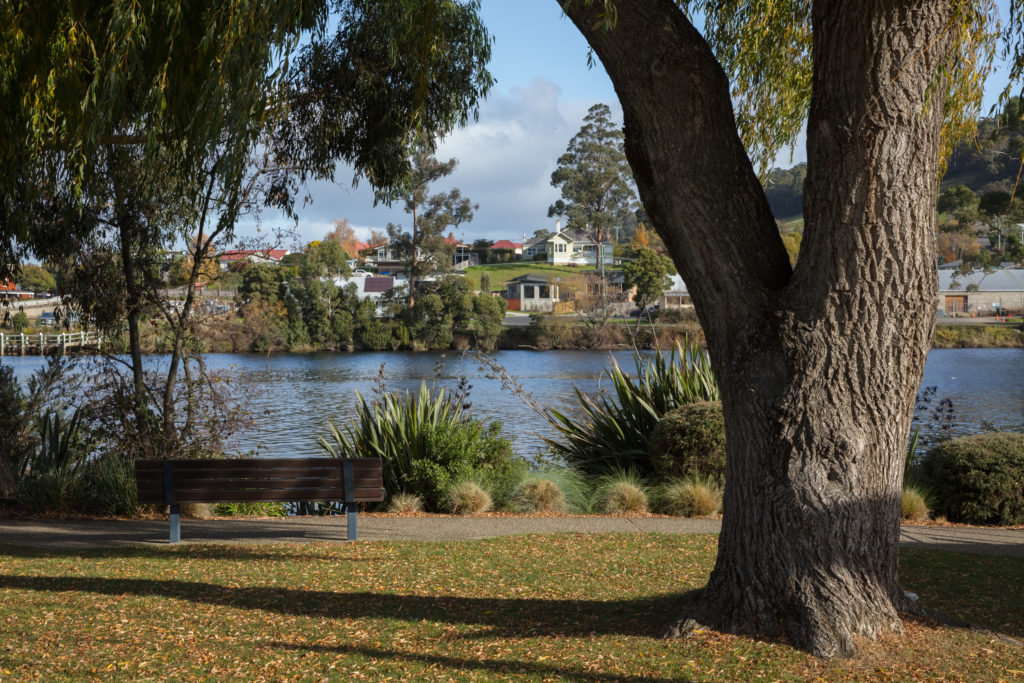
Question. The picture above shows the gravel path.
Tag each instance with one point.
(76, 534)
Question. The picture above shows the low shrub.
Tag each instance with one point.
(690, 442)
(978, 479)
(621, 493)
(405, 503)
(467, 498)
(500, 478)
(456, 451)
(914, 505)
(693, 497)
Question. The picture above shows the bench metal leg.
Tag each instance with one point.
(175, 523)
(352, 511)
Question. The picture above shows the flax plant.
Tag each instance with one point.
(614, 431)
(395, 428)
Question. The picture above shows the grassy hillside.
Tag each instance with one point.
(501, 273)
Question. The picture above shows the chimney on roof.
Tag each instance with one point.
(558, 225)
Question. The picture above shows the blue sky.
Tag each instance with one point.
(543, 91)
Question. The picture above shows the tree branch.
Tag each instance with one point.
(691, 168)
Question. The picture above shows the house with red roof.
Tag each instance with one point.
(9, 290)
(270, 256)
(515, 247)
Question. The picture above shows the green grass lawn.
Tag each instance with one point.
(579, 607)
(501, 273)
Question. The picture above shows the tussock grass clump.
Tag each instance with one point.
(405, 503)
(914, 505)
(621, 493)
(539, 494)
(552, 490)
(468, 498)
(693, 497)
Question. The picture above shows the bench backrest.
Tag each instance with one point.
(165, 482)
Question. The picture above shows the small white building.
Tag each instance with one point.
(676, 296)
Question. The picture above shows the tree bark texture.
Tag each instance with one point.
(818, 365)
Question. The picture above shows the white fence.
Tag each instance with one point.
(39, 344)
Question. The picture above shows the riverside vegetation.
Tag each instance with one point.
(654, 441)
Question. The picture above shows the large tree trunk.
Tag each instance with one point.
(818, 366)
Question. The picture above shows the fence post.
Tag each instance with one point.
(22, 348)
(42, 344)
(1, 343)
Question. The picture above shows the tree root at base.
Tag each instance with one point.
(697, 618)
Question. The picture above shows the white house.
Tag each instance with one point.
(387, 260)
(532, 248)
(578, 248)
(568, 247)
(372, 286)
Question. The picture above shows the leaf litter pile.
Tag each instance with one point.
(578, 607)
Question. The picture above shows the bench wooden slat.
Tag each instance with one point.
(154, 493)
(261, 479)
(286, 495)
(261, 464)
(289, 496)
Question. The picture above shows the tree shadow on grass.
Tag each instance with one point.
(497, 666)
(308, 552)
(502, 617)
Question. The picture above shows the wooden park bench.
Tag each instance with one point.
(173, 482)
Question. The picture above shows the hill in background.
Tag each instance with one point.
(989, 163)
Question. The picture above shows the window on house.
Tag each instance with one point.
(544, 292)
(528, 291)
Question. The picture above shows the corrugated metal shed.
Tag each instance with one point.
(1008, 280)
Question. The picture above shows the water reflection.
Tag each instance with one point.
(297, 394)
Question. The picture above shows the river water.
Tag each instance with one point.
(297, 394)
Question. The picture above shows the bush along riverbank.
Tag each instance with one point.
(654, 441)
(980, 336)
(234, 335)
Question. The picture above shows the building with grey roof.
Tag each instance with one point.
(981, 293)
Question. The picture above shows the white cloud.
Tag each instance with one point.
(505, 164)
